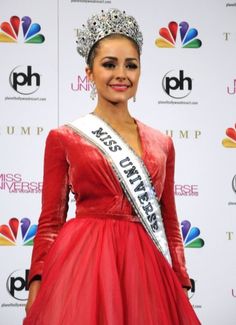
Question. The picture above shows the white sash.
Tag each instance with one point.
(131, 172)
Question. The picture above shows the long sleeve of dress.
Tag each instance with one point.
(54, 201)
(171, 222)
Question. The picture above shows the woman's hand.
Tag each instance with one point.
(186, 291)
(33, 292)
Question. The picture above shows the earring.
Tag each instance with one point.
(93, 92)
(134, 99)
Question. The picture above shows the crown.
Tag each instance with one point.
(106, 23)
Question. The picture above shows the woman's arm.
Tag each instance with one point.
(54, 207)
(171, 222)
(33, 291)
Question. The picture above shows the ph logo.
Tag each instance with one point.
(24, 81)
(193, 288)
(176, 85)
(234, 184)
(17, 284)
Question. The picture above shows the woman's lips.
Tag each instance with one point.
(119, 87)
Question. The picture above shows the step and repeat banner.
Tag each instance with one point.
(187, 90)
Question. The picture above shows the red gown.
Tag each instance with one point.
(102, 268)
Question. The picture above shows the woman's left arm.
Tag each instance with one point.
(170, 220)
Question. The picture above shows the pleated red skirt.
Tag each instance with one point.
(108, 272)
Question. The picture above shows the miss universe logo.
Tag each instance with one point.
(81, 84)
(186, 190)
(14, 183)
(231, 90)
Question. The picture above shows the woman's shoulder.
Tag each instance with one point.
(62, 134)
(62, 130)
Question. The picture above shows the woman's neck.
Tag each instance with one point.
(116, 114)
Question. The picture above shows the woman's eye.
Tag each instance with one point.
(108, 65)
(132, 66)
(112, 65)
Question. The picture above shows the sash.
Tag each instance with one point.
(131, 173)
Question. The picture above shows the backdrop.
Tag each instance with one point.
(187, 90)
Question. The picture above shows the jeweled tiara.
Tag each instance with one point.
(101, 25)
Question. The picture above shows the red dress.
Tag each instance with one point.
(102, 268)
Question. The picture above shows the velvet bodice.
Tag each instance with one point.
(71, 163)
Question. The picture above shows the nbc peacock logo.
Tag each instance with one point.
(191, 235)
(230, 141)
(176, 35)
(17, 232)
(16, 28)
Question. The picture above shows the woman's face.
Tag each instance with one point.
(116, 70)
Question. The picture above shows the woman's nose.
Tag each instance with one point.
(121, 72)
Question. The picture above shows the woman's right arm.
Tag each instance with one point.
(33, 291)
(55, 196)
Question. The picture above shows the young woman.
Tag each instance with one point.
(120, 261)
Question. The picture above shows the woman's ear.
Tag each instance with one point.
(89, 73)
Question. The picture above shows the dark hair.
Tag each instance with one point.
(95, 47)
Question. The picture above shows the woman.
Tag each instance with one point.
(117, 262)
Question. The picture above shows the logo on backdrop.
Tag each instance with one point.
(186, 190)
(178, 35)
(191, 294)
(184, 134)
(24, 81)
(191, 235)
(233, 291)
(234, 184)
(230, 141)
(193, 289)
(226, 36)
(18, 232)
(176, 84)
(17, 284)
(82, 83)
(230, 4)
(14, 183)
(16, 28)
(21, 130)
(229, 235)
(231, 90)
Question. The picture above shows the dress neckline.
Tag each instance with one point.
(137, 123)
